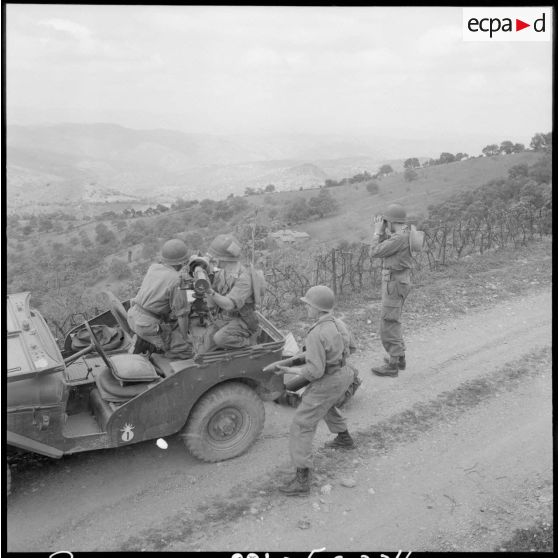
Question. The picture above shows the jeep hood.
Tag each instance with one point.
(31, 347)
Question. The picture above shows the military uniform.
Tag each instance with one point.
(233, 329)
(396, 284)
(327, 345)
(150, 311)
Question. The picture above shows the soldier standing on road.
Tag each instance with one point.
(328, 343)
(232, 298)
(159, 312)
(396, 283)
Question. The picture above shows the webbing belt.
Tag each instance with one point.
(149, 312)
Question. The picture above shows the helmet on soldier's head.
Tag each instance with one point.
(320, 297)
(174, 252)
(395, 213)
(225, 247)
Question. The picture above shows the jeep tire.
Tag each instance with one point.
(224, 423)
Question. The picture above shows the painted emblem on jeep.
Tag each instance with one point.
(127, 433)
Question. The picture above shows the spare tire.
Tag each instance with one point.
(224, 423)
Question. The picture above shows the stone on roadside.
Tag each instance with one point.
(349, 482)
(303, 524)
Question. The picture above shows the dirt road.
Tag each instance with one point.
(454, 454)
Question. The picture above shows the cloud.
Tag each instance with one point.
(440, 41)
(72, 28)
(262, 57)
(279, 66)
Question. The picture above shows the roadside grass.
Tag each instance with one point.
(538, 538)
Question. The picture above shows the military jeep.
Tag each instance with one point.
(95, 394)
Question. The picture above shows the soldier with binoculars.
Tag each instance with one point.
(391, 243)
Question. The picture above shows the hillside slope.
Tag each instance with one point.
(434, 184)
(52, 164)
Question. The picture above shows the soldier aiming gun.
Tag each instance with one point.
(232, 298)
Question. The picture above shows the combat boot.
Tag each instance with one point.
(298, 486)
(343, 440)
(389, 369)
(401, 363)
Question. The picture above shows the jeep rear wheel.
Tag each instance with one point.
(224, 423)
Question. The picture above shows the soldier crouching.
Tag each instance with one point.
(328, 343)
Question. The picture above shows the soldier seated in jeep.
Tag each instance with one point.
(158, 315)
(232, 298)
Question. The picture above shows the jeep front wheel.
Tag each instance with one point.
(224, 423)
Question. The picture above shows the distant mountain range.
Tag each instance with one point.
(76, 163)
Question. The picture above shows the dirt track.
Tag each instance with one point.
(454, 454)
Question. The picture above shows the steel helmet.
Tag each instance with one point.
(395, 213)
(320, 297)
(174, 252)
(225, 247)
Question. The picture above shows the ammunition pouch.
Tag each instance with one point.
(336, 366)
(350, 391)
(402, 275)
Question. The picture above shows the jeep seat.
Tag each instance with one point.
(132, 368)
(114, 391)
(128, 376)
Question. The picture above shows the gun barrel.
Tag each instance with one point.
(291, 361)
(201, 280)
(296, 383)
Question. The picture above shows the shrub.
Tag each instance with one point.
(372, 188)
(119, 269)
(410, 175)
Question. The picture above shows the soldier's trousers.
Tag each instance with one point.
(318, 402)
(167, 338)
(227, 334)
(394, 294)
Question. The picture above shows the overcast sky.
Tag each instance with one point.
(397, 71)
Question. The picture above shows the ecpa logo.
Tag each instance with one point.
(507, 24)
